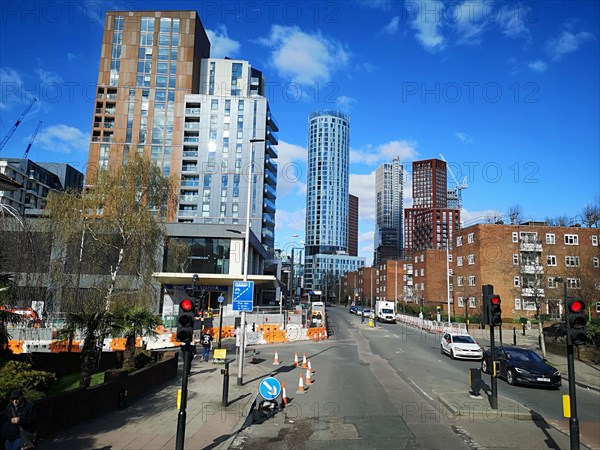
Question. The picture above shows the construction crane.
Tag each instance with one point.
(35, 132)
(459, 187)
(17, 123)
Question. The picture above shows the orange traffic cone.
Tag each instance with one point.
(276, 361)
(310, 367)
(253, 356)
(300, 385)
(296, 359)
(284, 399)
(304, 366)
(308, 381)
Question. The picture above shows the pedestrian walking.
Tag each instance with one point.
(19, 428)
(206, 342)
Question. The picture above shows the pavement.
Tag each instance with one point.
(151, 422)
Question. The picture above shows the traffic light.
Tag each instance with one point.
(185, 322)
(576, 322)
(495, 311)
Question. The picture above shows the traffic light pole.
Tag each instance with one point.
(181, 416)
(573, 420)
(494, 380)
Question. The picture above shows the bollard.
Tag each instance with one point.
(514, 336)
(475, 382)
(523, 329)
(225, 373)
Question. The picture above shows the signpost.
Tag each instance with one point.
(221, 299)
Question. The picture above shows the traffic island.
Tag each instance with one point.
(464, 405)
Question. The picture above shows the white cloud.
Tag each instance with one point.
(464, 137)
(537, 66)
(479, 216)
(405, 150)
(288, 222)
(291, 172)
(566, 42)
(11, 88)
(302, 57)
(47, 77)
(513, 21)
(63, 139)
(392, 27)
(384, 5)
(428, 23)
(221, 45)
(345, 103)
(469, 20)
(363, 186)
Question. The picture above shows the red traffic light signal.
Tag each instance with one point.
(186, 305)
(576, 321)
(495, 310)
(185, 322)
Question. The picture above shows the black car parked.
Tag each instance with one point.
(556, 330)
(521, 365)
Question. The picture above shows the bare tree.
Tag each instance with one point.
(494, 217)
(591, 215)
(515, 214)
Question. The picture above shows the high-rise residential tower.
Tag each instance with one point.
(326, 248)
(353, 225)
(389, 192)
(149, 61)
(429, 224)
(226, 126)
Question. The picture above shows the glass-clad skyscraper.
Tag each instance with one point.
(327, 197)
(389, 203)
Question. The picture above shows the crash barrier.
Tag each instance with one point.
(256, 334)
(433, 326)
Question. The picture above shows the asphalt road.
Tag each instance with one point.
(378, 388)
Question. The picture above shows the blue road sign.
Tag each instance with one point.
(269, 388)
(243, 295)
(221, 299)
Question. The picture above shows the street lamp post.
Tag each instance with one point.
(240, 377)
(448, 278)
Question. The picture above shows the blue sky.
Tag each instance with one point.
(508, 92)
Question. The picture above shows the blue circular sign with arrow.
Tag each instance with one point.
(270, 388)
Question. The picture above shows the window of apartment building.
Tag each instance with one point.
(470, 238)
(517, 281)
(552, 282)
(572, 261)
(472, 280)
(449, 257)
(551, 260)
(451, 287)
(517, 303)
(596, 261)
(529, 305)
(515, 236)
(471, 259)
(550, 238)
(422, 286)
(459, 241)
(573, 283)
(598, 307)
(595, 240)
(471, 302)
(422, 258)
(459, 260)
(450, 272)
(461, 302)
(459, 281)
(416, 259)
(515, 259)
(422, 272)
(571, 239)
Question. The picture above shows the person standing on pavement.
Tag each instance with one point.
(19, 414)
(206, 342)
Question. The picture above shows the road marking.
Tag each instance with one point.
(413, 384)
